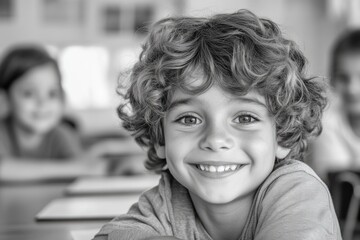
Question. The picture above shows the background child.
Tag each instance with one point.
(337, 148)
(34, 141)
(225, 108)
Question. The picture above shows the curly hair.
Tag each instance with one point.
(239, 52)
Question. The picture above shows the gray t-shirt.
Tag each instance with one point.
(292, 203)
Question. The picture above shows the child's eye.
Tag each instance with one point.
(54, 94)
(189, 120)
(342, 78)
(245, 119)
(27, 94)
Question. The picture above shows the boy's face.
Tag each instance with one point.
(219, 146)
(347, 81)
(36, 100)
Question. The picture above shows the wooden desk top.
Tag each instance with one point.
(19, 205)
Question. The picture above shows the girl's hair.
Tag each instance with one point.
(239, 52)
(19, 60)
(348, 42)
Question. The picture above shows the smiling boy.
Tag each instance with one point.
(224, 107)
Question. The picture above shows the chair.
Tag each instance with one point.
(350, 206)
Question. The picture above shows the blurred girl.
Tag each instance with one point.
(337, 148)
(34, 142)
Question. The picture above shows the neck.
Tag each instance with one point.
(26, 138)
(223, 221)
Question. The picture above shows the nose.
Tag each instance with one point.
(40, 100)
(217, 138)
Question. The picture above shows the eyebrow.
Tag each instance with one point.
(251, 100)
(186, 101)
(183, 101)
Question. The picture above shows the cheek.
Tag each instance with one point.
(260, 146)
(178, 144)
(21, 105)
(56, 105)
(175, 146)
(341, 88)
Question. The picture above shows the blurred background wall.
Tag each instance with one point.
(94, 40)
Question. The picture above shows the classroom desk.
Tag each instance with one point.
(20, 203)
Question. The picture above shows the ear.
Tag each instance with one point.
(160, 151)
(282, 152)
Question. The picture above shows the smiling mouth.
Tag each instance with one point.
(219, 168)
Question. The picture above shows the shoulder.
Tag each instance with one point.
(157, 198)
(63, 131)
(290, 170)
(5, 125)
(165, 210)
(147, 217)
(63, 142)
(65, 135)
(296, 179)
(294, 195)
(165, 200)
(6, 140)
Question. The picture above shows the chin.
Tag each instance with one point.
(218, 199)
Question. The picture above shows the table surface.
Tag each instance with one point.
(19, 205)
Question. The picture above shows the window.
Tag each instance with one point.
(63, 11)
(143, 17)
(111, 18)
(6, 9)
(85, 76)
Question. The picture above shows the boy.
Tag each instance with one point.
(224, 108)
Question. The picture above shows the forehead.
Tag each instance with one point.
(198, 80)
(40, 77)
(198, 83)
(216, 96)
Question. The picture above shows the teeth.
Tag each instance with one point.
(220, 169)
